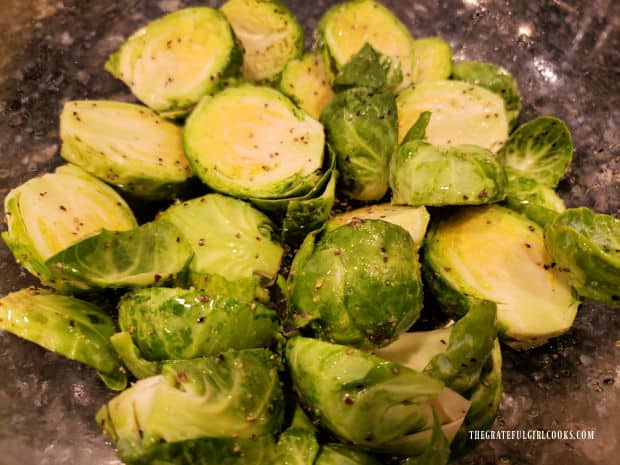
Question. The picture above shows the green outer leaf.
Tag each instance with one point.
(232, 243)
(154, 253)
(496, 79)
(360, 285)
(171, 323)
(129, 353)
(337, 454)
(233, 394)
(213, 451)
(541, 149)
(538, 202)
(367, 68)
(326, 375)
(297, 446)
(122, 64)
(70, 327)
(418, 129)
(485, 401)
(437, 452)
(424, 174)
(433, 59)
(586, 247)
(469, 347)
(362, 129)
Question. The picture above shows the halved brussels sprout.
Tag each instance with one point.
(462, 113)
(177, 324)
(362, 129)
(269, 33)
(127, 145)
(173, 61)
(234, 394)
(306, 81)
(212, 451)
(154, 253)
(485, 400)
(495, 254)
(234, 249)
(454, 355)
(413, 219)
(358, 284)
(347, 391)
(433, 60)
(423, 174)
(541, 149)
(346, 27)
(496, 79)
(49, 213)
(538, 202)
(70, 327)
(337, 454)
(271, 149)
(586, 247)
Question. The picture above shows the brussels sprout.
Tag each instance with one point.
(367, 68)
(49, 213)
(236, 394)
(173, 61)
(337, 454)
(462, 114)
(347, 391)
(423, 174)
(169, 324)
(361, 127)
(151, 254)
(495, 254)
(485, 400)
(454, 355)
(586, 247)
(127, 145)
(346, 27)
(433, 60)
(358, 284)
(413, 219)
(541, 149)
(437, 452)
(70, 327)
(271, 150)
(538, 202)
(306, 81)
(418, 130)
(496, 79)
(298, 444)
(213, 451)
(270, 35)
(233, 245)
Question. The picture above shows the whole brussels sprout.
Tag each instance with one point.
(358, 284)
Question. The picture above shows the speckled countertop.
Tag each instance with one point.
(564, 54)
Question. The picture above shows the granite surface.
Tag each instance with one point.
(564, 54)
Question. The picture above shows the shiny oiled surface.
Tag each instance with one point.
(565, 56)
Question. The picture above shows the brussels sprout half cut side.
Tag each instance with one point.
(433, 60)
(306, 81)
(49, 213)
(423, 174)
(269, 33)
(358, 284)
(462, 113)
(173, 61)
(413, 219)
(270, 149)
(496, 79)
(586, 247)
(495, 254)
(234, 394)
(70, 327)
(346, 27)
(541, 149)
(233, 243)
(126, 145)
